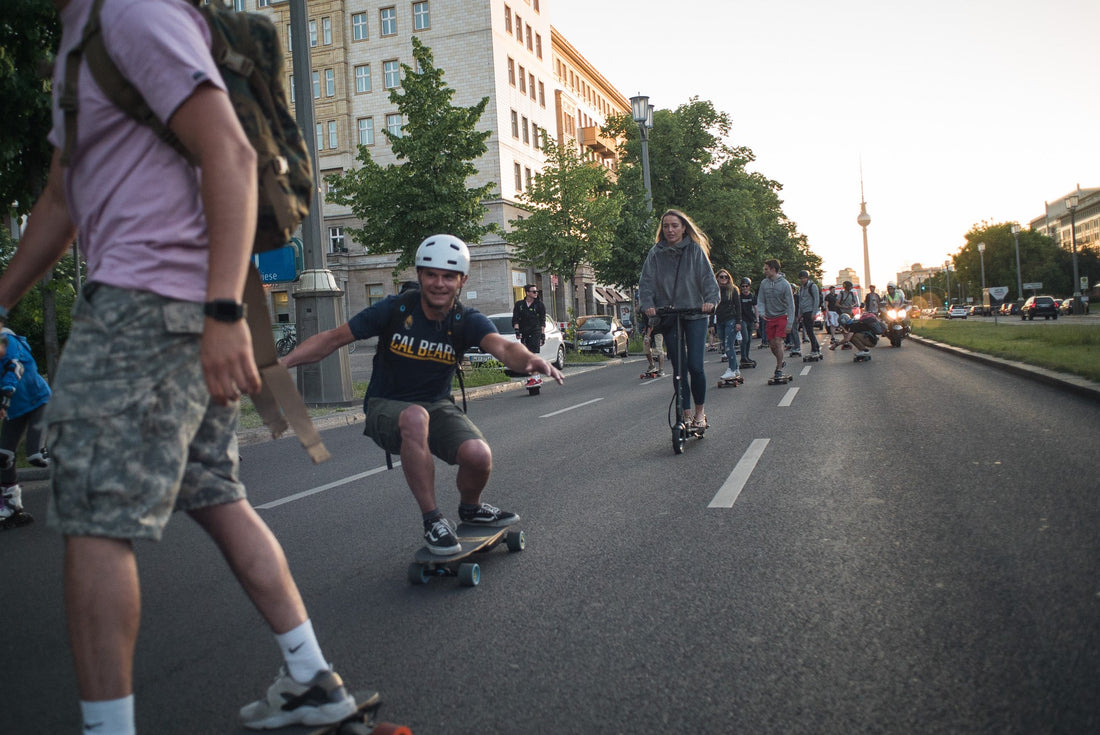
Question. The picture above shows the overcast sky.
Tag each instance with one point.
(962, 111)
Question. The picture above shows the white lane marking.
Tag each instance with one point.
(579, 405)
(805, 370)
(322, 488)
(651, 381)
(731, 488)
(788, 398)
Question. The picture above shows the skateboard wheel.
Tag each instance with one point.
(515, 540)
(469, 575)
(388, 728)
(418, 574)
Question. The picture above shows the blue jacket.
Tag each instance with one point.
(18, 371)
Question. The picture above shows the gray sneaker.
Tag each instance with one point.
(320, 701)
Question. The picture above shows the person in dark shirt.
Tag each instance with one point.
(408, 406)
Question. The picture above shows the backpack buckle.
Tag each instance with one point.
(280, 166)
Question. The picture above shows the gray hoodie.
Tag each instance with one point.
(775, 299)
(692, 286)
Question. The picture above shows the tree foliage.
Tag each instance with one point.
(401, 204)
(28, 316)
(695, 170)
(573, 213)
(29, 34)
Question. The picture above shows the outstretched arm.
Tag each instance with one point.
(319, 346)
(518, 358)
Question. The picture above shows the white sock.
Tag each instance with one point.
(301, 652)
(109, 717)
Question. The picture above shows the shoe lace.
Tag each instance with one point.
(486, 508)
(440, 528)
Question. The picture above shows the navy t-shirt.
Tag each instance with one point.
(419, 362)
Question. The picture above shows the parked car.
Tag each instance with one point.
(1066, 307)
(1043, 306)
(553, 350)
(602, 333)
(940, 312)
(1011, 308)
(957, 312)
(975, 310)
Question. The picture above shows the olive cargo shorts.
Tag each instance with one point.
(133, 434)
(448, 427)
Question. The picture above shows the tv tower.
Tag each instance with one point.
(864, 219)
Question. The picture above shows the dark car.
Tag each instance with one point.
(601, 333)
(1043, 306)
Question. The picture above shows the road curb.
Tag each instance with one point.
(1072, 383)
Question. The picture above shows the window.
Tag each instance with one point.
(530, 44)
(516, 173)
(359, 26)
(519, 28)
(538, 45)
(391, 74)
(527, 176)
(366, 130)
(515, 125)
(312, 33)
(330, 82)
(362, 78)
(389, 21)
(290, 86)
(536, 3)
(393, 124)
(522, 80)
(507, 20)
(374, 293)
(263, 3)
(326, 31)
(289, 39)
(535, 134)
(422, 20)
(542, 94)
(511, 71)
(526, 132)
(320, 134)
(333, 139)
(531, 85)
(336, 240)
(316, 85)
(238, 5)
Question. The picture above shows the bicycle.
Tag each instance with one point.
(681, 430)
(287, 342)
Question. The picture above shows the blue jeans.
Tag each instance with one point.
(693, 385)
(727, 333)
(746, 340)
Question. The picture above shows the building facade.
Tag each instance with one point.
(537, 85)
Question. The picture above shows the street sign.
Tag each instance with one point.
(1033, 286)
(998, 292)
(1084, 283)
(277, 266)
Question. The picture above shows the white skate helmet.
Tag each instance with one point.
(445, 252)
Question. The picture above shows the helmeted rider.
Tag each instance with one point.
(895, 297)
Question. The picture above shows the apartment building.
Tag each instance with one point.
(537, 83)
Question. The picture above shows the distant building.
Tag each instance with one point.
(1055, 222)
(537, 83)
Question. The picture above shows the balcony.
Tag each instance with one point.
(604, 146)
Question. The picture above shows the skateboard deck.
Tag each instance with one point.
(533, 385)
(364, 721)
(474, 539)
(780, 381)
(651, 375)
(861, 358)
(810, 358)
(747, 364)
(730, 382)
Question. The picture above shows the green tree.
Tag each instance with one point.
(573, 214)
(29, 34)
(426, 194)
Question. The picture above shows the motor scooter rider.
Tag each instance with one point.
(895, 297)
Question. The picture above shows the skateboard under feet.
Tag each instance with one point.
(651, 374)
(861, 358)
(364, 721)
(730, 382)
(747, 364)
(811, 358)
(474, 539)
(781, 380)
(533, 385)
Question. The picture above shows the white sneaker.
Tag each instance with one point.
(320, 701)
(863, 353)
(729, 374)
(13, 497)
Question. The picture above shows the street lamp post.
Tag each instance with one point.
(981, 256)
(1071, 204)
(642, 112)
(1019, 277)
(947, 282)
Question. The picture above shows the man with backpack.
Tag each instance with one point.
(809, 303)
(144, 413)
(422, 336)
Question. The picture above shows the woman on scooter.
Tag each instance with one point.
(677, 273)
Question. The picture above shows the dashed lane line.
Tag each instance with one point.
(788, 397)
(579, 405)
(322, 488)
(731, 488)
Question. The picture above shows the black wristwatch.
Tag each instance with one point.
(224, 310)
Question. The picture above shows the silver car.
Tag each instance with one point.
(552, 351)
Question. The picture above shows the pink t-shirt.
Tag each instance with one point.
(134, 200)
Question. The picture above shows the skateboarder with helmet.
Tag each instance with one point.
(408, 406)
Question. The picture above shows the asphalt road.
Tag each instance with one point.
(906, 545)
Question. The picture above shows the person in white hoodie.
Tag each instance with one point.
(775, 302)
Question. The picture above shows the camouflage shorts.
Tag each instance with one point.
(133, 434)
(448, 427)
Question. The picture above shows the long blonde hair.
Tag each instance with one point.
(729, 289)
(691, 230)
